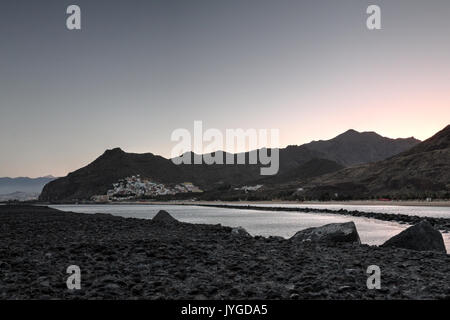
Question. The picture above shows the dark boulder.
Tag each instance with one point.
(330, 233)
(420, 237)
(164, 217)
(241, 232)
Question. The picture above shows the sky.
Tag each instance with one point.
(138, 70)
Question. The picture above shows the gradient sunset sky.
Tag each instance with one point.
(140, 69)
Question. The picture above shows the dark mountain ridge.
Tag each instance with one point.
(353, 147)
(97, 177)
(422, 171)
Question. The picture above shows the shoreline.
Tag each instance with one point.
(406, 203)
(436, 203)
(442, 224)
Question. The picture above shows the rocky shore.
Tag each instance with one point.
(438, 223)
(124, 258)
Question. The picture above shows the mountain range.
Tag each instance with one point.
(23, 184)
(303, 162)
(421, 171)
(22, 188)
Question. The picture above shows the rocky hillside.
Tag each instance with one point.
(97, 177)
(312, 168)
(422, 171)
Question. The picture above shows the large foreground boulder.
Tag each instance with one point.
(241, 232)
(420, 237)
(330, 233)
(164, 217)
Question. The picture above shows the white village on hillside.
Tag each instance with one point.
(135, 187)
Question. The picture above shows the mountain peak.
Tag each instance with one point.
(418, 171)
(353, 147)
(353, 134)
(351, 131)
(348, 133)
(114, 151)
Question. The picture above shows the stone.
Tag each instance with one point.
(420, 237)
(344, 288)
(164, 217)
(112, 286)
(4, 265)
(239, 231)
(330, 233)
(137, 290)
(276, 238)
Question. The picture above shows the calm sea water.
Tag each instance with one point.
(265, 223)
